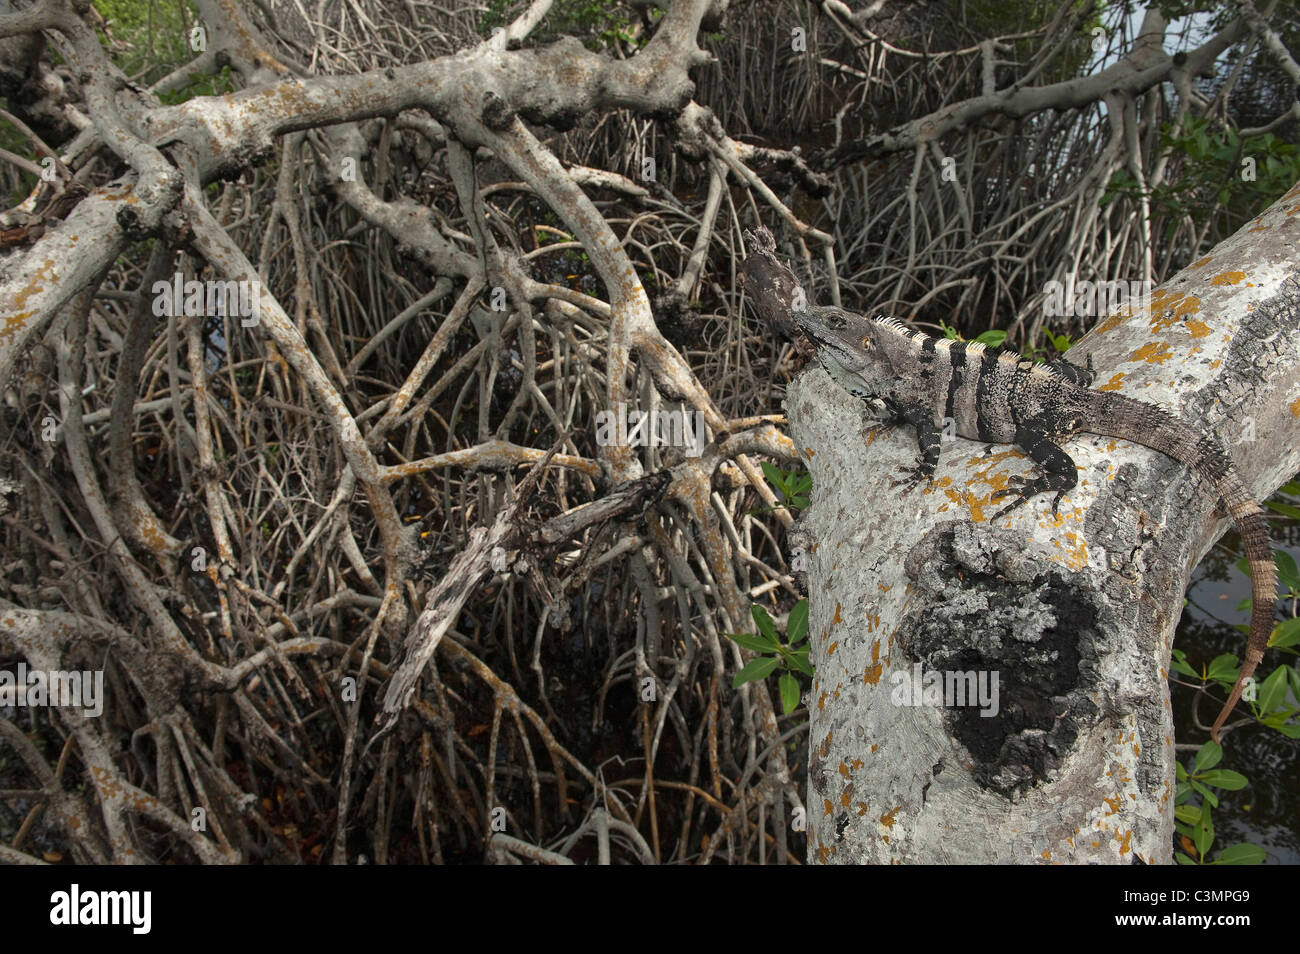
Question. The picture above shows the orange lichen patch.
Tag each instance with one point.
(837, 618)
(1125, 846)
(1115, 804)
(1153, 352)
(1294, 407)
(15, 319)
(862, 809)
(1227, 278)
(821, 701)
(887, 819)
(856, 764)
(1046, 855)
(844, 769)
(823, 853)
(972, 502)
(846, 797)
(1111, 322)
(1076, 555)
(829, 807)
(831, 651)
(873, 622)
(1201, 264)
(1163, 298)
(809, 453)
(825, 748)
(1114, 384)
(1197, 329)
(871, 675)
(874, 746)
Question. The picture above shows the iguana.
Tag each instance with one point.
(1001, 398)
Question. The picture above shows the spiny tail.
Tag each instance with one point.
(1148, 425)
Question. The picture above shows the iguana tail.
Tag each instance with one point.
(1150, 426)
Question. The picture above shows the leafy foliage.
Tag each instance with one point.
(791, 484)
(789, 656)
(1194, 823)
(1222, 179)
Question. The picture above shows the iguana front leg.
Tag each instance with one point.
(927, 437)
(1057, 470)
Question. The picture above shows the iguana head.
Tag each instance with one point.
(868, 357)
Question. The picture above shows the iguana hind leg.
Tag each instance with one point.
(1057, 470)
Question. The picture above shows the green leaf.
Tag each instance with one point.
(1242, 853)
(1285, 510)
(1183, 859)
(799, 660)
(1272, 690)
(1286, 568)
(1286, 634)
(1187, 814)
(1278, 718)
(768, 628)
(1178, 663)
(775, 476)
(758, 644)
(1211, 800)
(759, 668)
(1180, 771)
(1223, 668)
(789, 686)
(796, 628)
(992, 338)
(1203, 832)
(1207, 756)
(1226, 779)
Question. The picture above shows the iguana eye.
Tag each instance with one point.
(866, 344)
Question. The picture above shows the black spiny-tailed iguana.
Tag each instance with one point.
(1001, 398)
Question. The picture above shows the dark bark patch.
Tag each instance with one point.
(986, 607)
